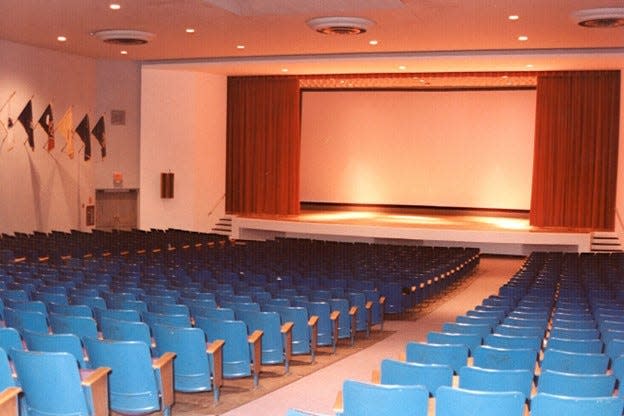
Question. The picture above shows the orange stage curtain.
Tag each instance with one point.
(263, 145)
(576, 148)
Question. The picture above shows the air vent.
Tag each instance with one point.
(340, 25)
(124, 37)
(600, 18)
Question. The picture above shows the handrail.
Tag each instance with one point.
(217, 204)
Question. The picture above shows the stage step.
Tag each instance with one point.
(223, 226)
(603, 241)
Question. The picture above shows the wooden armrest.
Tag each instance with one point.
(165, 365)
(8, 401)
(353, 310)
(338, 404)
(216, 350)
(287, 327)
(369, 305)
(334, 315)
(313, 324)
(255, 336)
(215, 346)
(382, 300)
(376, 376)
(141, 251)
(97, 382)
(255, 339)
(313, 321)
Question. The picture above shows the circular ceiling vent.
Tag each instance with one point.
(600, 18)
(124, 37)
(340, 25)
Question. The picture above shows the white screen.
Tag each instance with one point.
(431, 148)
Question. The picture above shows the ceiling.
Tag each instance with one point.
(412, 35)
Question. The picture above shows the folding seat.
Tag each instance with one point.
(523, 331)
(393, 293)
(304, 332)
(31, 305)
(577, 385)
(431, 376)
(276, 338)
(465, 319)
(513, 321)
(609, 335)
(327, 323)
(242, 353)
(575, 345)
(26, 320)
(615, 348)
(609, 324)
(92, 301)
(452, 355)
(574, 362)
(8, 387)
(511, 341)
(346, 318)
(81, 326)
(489, 379)
(383, 400)
(10, 339)
(544, 404)
(472, 341)
(377, 310)
(14, 294)
(225, 314)
(48, 297)
(320, 295)
(69, 343)
(591, 333)
(115, 299)
(574, 323)
(498, 314)
(358, 300)
(540, 315)
(119, 330)
(458, 401)
(505, 358)
(198, 366)
(117, 314)
(481, 329)
(241, 306)
(52, 386)
(136, 383)
(75, 310)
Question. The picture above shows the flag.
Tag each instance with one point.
(46, 121)
(26, 119)
(84, 132)
(66, 128)
(99, 132)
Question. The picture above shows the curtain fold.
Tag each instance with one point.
(576, 148)
(263, 145)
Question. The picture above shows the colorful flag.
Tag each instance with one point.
(26, 119)
(66, 128)
(46, 121)
(84, 132)
(99, 132)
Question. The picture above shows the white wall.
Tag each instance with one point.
(183, 117)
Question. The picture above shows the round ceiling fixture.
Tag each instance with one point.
(600, 18)
(340, 25)
(124, 37)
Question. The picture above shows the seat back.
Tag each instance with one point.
(544, 404)
(6, 373)
(132, 382)
(322, 310)
(452, 355)
(591, 333)
(383, 400)
(344, 320)
(192, 372)
(224, 314)
(117, 330)
(361, 318)
(574, 362)
(472, 341)
(579, 385)
(152, 318)
(576, 345)
(75, 310)
(9, 339)
(69, 343)
(272, 340)
(523, 331)
(511, 341)
(236, 353)
(78, 325)
(301, 336)
(505, 358)
(26, 320)
(454, 401)
(488, 379)
(431, 376)
(50, 382)
(463, 328)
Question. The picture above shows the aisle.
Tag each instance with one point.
(317, 392)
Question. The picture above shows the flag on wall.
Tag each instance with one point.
(66, 128)
(46, 121)
(26, 119)
(99, 132)
(84, 132)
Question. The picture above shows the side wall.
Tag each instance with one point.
(183, 116)
(49, 191)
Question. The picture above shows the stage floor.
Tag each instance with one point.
(492, 232)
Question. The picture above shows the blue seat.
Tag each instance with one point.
(136, 384)
(614, 348)
(225, 314)
(574, 323)
(119, 330)
(505, 358)
(579, 385)
(522, 331)
(591, 333)
(463, 328)
(48, 297)
(26, 320)
(452, 355)
(488, 379)
(431, 376)
(575, 345)
(574, 362)
(472, 341)
(6, 373)
(81, 326)
(170, 308)
(362, 322)
(327, 323)
(152, 318)
(346, 320)
(466, 319)
(460, 402)
(195, 363)
(91, 301)
(32, 305)
(544, 404)
(511, 341)
(241, 352)
(52, 385)
(69, 343)
(276, 338)
(10, 339)
(75, 310)
(383, 400)
(117, 314)
(304, 332)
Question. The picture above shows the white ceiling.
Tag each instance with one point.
(421, 35)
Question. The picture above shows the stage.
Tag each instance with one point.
(493, 232)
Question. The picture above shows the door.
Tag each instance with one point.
(116, 209)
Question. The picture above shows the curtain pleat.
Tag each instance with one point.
(576, 148)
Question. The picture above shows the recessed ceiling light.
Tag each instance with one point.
(240, 46)
(513, 17)
(61, 38)
(114, 6)
(402, 67)
(529, 65)
(505, 76)
(600, 18)
(189, 30)
(124, 52)
(284, 69)
(373, 42)
(523, 38)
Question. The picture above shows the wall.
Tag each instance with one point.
(619, 203)
(183, 117)
(48, 191)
